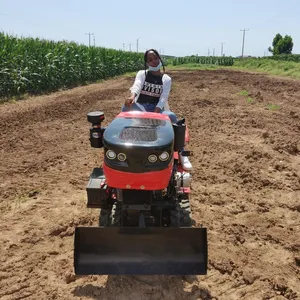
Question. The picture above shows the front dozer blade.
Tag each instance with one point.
(140, 251)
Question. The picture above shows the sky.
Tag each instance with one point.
(173, 27)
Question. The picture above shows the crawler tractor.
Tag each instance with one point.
(145, 225)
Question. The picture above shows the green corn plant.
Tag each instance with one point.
(34, 66)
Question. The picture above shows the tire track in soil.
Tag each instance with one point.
(246, 189)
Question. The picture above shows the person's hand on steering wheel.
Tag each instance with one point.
(129, 100)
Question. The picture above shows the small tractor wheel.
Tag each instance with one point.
(104, 217)
(115, 215)
(110, 217)
(181, 215)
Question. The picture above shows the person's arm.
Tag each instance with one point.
(167, 83)
(136, 87)
(138, 83)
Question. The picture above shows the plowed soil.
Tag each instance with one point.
(245, 136)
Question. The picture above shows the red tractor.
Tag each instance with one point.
(145, 224)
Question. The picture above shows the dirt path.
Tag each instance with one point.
(246, 189)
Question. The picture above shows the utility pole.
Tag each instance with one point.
(130, 47)
(89, 34)
(243, 40)
(94, 42)
(222, 49)
(137, 44)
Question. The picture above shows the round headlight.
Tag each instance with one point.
(121, 157)
(111, 154)
(164, 156)
(152, 158)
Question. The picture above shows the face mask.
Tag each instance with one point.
(155, 68)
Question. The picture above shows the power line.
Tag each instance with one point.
(244, 30)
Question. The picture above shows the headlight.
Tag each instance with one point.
(111, 154)
(152, 158)
(164, 156)
(121, 157)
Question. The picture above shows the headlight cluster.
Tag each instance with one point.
(151, 158)
(112, 155)
(163, 157)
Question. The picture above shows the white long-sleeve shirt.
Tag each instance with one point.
(163, 100)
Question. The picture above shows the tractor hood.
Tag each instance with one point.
(139, 129)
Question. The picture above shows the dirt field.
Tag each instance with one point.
(246, 189)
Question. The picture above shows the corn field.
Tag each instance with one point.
(212, 60)
(34, 66)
